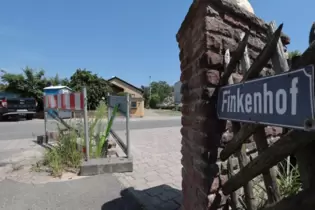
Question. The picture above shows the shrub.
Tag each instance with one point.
(66, 154)
(154, 100)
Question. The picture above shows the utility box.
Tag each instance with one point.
(55, 90)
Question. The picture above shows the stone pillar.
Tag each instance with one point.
(209, 28)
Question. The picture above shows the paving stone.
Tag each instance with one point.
(157, 168)
(152, 178)
(156, 183)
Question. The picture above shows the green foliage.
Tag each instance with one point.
(155, 99)
(146, 95)
(3, 87)
(97, 87)
(56, 80)
(102, 144)
(162, 89)
(30, 83)
(96, 130)
(294, 53)
(64, 155)
(288, 181)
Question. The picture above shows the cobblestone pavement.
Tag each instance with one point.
(156, 178)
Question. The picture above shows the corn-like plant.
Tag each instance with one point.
(288, 180)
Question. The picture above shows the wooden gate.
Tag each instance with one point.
(292, 142)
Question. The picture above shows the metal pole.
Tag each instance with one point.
(86, 125)
(108, 108)
(45, 124)
(127, 125)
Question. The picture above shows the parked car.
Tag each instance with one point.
(12, 105)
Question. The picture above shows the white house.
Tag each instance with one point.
(177, 94)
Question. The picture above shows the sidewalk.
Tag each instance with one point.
(157, 167)
(155, 182)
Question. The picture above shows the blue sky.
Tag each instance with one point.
(131, 39)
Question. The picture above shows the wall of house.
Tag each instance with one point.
(139, 111)
(209, 28)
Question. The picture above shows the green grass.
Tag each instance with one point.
(64, 155)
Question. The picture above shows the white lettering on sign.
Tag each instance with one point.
(264, 102)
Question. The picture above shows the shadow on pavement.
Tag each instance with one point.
(157, 198)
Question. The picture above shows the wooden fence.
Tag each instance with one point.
(292, 142)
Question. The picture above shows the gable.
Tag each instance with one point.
(123, 84)
(128, 88)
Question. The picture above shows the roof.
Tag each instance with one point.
(123, 81)
(57, 87)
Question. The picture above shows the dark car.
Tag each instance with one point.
(12, 105)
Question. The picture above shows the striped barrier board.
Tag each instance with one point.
(69, 101)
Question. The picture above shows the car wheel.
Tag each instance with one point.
(4, 117)
(29, 117)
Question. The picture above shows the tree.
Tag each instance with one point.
(146, 95)
(97, 87)
(59, 81)
(154, 100)
(294, 53)
(162, 89)
(28, 84)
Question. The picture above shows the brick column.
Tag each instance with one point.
(209, 28)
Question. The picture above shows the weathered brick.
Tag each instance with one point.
(198, 80)
(213, 42)
(211, 60)
(213, 77)
(186, 109)
(186, 74)
(212, 12)
(186, 121)
(229, 43)
(235, 22)
(213, 24)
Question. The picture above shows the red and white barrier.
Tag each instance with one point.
(69, 101)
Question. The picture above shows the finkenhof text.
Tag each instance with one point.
(266, 101)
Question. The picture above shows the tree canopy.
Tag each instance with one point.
(97, 87)
(162, 89)
(31, 82)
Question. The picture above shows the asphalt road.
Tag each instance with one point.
(30, 129)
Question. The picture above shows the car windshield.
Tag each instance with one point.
(8, 95)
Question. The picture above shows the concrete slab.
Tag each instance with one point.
(106, 165)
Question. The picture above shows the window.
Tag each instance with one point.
(133, 104)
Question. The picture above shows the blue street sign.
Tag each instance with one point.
(285, 100)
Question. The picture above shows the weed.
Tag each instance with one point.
(288, 179)
(66, 156)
